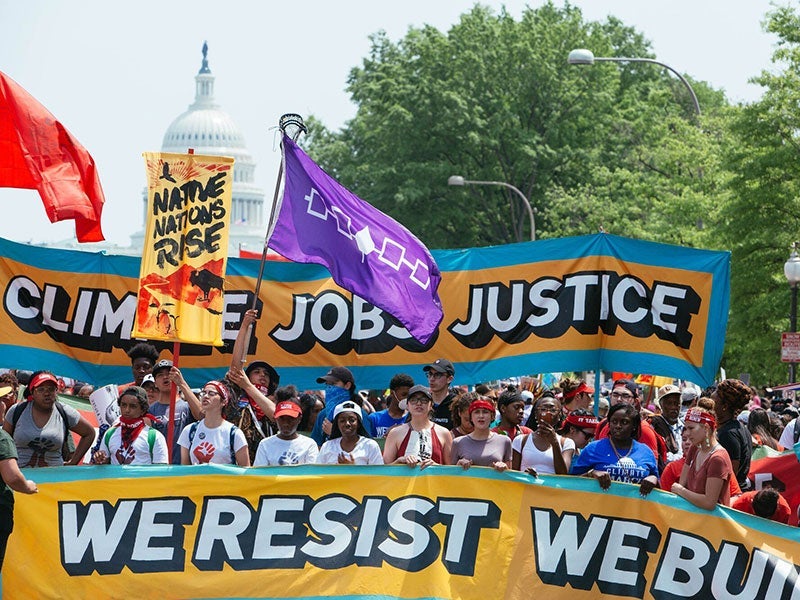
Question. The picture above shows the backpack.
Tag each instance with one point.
(193, 430)
(67, 446)
(151, 439)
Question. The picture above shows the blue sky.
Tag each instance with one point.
(117, 74)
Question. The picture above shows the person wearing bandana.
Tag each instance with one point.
(340, 386)
(213, 440)
(705, 476)
(131, 441)
(253, 409)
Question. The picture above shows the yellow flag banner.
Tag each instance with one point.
(185, 253)
(321, 531)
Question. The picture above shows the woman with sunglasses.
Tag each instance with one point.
(213, 439)
(420, 441)
(579, 426)
(543, 451)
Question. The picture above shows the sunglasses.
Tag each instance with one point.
(588, 434)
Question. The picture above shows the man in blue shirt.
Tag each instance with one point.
(379, 423)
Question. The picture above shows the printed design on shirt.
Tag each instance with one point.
(204, 452)
(290, 457)
(626, 471)
(125, 456)
(40, 447)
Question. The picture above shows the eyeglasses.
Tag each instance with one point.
(417, 400)
(620, 395)
(434, 374)
(204, 393)
(547, 409)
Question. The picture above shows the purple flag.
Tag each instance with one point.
(368, 253)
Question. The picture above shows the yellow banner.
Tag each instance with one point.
(380, 532)
(182, 275)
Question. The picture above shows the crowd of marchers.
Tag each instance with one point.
(696, 444)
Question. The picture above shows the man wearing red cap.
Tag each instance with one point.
(625, 391)
(286, 447)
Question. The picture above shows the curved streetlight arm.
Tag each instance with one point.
(524, 198)
(654, 62)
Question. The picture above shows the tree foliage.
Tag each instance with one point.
(761, 217)
(493, 99)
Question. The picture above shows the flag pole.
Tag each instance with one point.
(292, 125)
(173, 392)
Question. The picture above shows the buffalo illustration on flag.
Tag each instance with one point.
(367, 252)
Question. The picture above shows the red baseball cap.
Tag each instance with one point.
(42, 378)
(291, 409)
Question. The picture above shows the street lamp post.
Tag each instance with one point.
(792, 271)
(458, 180)
(582, 56)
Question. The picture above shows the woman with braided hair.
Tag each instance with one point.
(730, 398)
(706, 474)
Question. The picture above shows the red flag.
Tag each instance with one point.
(37, 152)
(270, 255)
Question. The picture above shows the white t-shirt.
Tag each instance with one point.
(533, 457)
(366, 452)
(211, 445)
(274, 451)
(139, 451)
(787, 437)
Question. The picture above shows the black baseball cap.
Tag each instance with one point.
(440, 365)
(161, 365)
(342, 374)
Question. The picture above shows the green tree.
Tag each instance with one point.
(613, 145)
(761, 217)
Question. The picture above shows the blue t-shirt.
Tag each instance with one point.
(632, 467)
(379, 423)
(334, 396)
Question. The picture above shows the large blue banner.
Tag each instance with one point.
(591, 302)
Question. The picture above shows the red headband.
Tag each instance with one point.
(582, 420)
(581, 388)
(220, 387)
(481, 403)
(700, 416)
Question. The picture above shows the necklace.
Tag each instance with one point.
(614, 448)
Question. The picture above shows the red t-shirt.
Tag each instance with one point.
(744, 503)
(717, 464)
(672, 474)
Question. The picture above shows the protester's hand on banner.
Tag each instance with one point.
(603, 478)
(647, 485)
